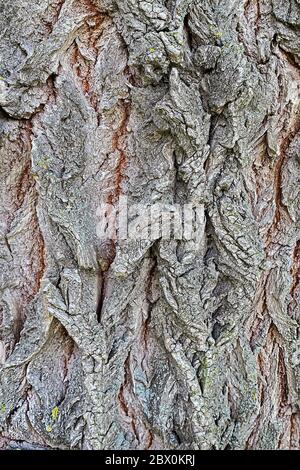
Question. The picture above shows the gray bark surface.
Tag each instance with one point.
(149, 345)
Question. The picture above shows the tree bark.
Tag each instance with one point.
(149, 344)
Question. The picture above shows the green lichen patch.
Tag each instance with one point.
(54, 413)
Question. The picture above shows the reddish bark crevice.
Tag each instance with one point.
(295, 272)
(262, 176)
(131, 414)
(139, 357)
(149, 443)
(144, 338)
(83, 66)
(290, 127)
(125, 396)
(89, 36)
(252, 4)
(119, 144)
(274, 342)
(52, 15)
(231, 401)
(294, 437)
(145, 327)
(253, 18)
(282, 375)
(132, 77)
(69, 353)
(270, 359)
(23, 194)
(262, 389)
(262, 311)
(23, 183)
(37, 254)
(280, 208)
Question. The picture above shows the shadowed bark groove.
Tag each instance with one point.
(149, 344)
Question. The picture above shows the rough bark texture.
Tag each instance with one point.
(150, 345)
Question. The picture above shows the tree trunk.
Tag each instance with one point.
(151, 343)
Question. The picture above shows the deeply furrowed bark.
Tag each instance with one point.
(149, 345)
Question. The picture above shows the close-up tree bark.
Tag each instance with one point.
(156, 343)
